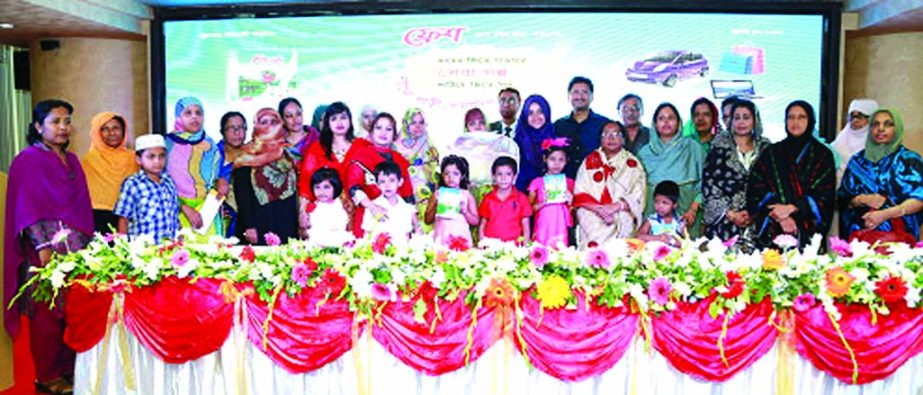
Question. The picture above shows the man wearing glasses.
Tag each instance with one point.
(852, 138)
(508, 99)
(636, 135)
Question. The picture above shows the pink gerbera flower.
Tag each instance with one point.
(659, 290)
(382, 292)
(597, 258)
(539, 256)
(179, 258)
(300, 274)
(272, 239)
(804, 302)
(840, 246)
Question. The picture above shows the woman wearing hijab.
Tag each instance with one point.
(670, 156)
(194, 163)
(882, 182)
(265, 183)
(533, 127)
(414, 144)
(791, 189)
(703, 123)
(854, 135)
(48, 211)
(727, 169)
(106, 165)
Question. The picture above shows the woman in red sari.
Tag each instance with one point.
(360, 165)
(330, 150)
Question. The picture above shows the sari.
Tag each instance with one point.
(360, 165)
(265, 182)
(194, 163)
(424, 162)
(680, 160)
(890, 170)
(606, 181)
(799, 171)
(105, 168)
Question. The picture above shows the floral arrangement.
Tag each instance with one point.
(649, 278)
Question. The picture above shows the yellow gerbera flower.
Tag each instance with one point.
(553, 292)
(772, 260)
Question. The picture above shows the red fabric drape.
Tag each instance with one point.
(688, 338)
(880, 349)
(179, 320)
(574, 345)
(443, 350)
(300, 338)
(87, 315)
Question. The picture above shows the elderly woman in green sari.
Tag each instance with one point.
(670, 156)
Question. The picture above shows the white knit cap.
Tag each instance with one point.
(149, 141)
(864, 106)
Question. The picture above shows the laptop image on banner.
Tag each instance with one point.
(740, 88)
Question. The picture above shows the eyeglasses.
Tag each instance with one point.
(634, 108)
(510, 100)
(611, 135)
(858, 115)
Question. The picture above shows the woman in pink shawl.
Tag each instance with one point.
(47, 210)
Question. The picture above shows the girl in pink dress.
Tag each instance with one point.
(551, 196)
(452, 211)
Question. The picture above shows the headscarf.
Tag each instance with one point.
(680, 160)
(530, 139)
(792, 146)
(405, 125)
(876, 152)
(318, 113)
(850, 140)
(179, 133)
(689, 128)
(757, 119)
(273, 172)
(107, 167)
(267, 143)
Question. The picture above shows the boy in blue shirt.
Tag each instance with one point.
(148, 203)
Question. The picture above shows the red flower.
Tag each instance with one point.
(428, 292)
(382, 241)
(735, 285)
(592, 244)
(632, 163)
(598, 176)
(891, 289)
(310, 263)
(458, 243)
(332, 282)
(594, 161)
(248, 254)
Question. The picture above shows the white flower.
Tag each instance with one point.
(521, 253)
(682, 288)
(398, 276)
(684, 259)
(912, 297)
(617, 249)
(831, 309)
(361, 283)
(152, 269)
(190, 266)
(438, 277)
(860, 274)
(481, 287)
(67, 266)
(506, 264)
(637, 293)
(739, 305)
(264, 269)
(57, 279)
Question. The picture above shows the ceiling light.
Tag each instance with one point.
(6, 25)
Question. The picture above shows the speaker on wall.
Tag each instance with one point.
(49, 45)
(21, 76)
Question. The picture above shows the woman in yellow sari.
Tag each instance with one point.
(106, 165)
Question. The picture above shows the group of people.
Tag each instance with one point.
(581, 180)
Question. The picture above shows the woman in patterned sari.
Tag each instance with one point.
(414, 144)
(884, 181)
(727, 169)
(609, 191)
(194, 163)
(791, 189)
(265, 184)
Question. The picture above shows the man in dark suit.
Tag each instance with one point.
(509, 101)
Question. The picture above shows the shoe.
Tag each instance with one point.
(58, 386)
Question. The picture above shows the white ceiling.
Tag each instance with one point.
(35, 19)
